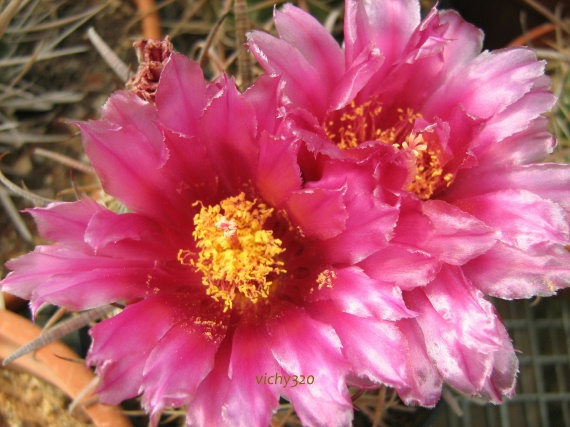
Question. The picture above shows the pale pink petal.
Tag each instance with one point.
(376, 349)
(523, 218)
(64, 275)
(549, 180)
(448, 233)
(488, 84)
(181, 359)
(303, 346)
(353, 292)
(502, 381)
(313, 41)
(460, 329)
(406, 267)
(508, 272)
(118, 351)
(181, 95)
(388, 24)
(522, 115)
(251, 365)
(424, 385)
(532, 144)
(302, 81)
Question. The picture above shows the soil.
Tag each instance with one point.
(27, 401)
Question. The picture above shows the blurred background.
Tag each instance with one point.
(61, 59)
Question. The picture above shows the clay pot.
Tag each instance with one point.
(49, 364)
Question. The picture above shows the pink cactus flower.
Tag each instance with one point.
(466, 127)
(235, 259)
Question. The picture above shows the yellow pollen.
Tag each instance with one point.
(237, 255)
(429, 173)
(355, 124)
(325, 278)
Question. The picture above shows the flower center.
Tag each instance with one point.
(358, 123)
(237, 255)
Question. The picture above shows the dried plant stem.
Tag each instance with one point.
(60, 330)
(110, 57)
(452, 402)
(244, 59)
(82, 394)
(548, 14)
(20, 60)
(9, 13)
(64, 160)
(380, 408)
(150, 20)
(28, 195)
(205, 49)
(533, 34)
(14, 215)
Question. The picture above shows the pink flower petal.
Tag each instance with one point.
(488, 85)
(265, 96)
(522, 115)
(251, 364)
(129, 236)
(532, 144)
(406, 267)
(64, 275)
(227, 119)
(388, 24)
(190, 170)
(523, 218)
(424, 385)
(303, 346)
(302, 81)
(181, 359)
(181, 95)
(375, 349)
(548, 180)
(508, 272)
(136, 179)
(356, 77)
(313, 41)
(352, 291)
(446, 232)
(460, 329)
(65, 223)
(320, 213)
(278, 173)
(118, 351)
(207, 407)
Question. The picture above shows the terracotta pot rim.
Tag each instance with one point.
(49, 364)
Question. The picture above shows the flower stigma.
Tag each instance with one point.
(359, 123)
(237, 256)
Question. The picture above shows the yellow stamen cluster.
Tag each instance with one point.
(358, 123)
(429, 173)
(237, 255)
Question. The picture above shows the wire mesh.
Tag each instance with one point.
(541, 333)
